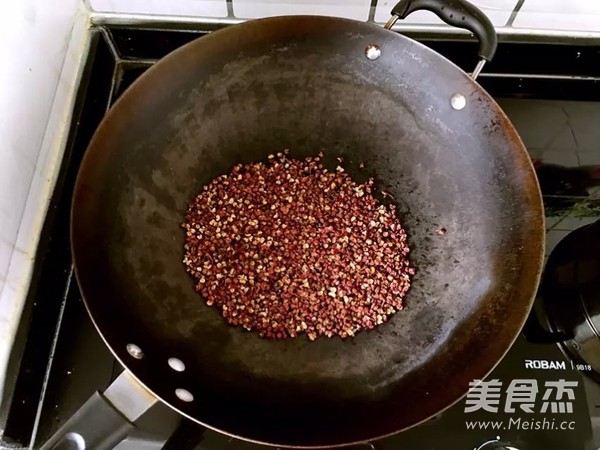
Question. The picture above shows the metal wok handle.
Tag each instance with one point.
(105, 419)
(460, 14)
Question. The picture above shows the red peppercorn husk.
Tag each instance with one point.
(286, 247)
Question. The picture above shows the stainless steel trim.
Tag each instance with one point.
(505, 33)
(106, 18)
(478, 69)
(129, 397)
(530, 76)
(390, 23)
(57, 330)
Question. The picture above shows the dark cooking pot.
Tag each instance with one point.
(569, 297)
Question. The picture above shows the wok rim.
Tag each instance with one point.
(96, 141)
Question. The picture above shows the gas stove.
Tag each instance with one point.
(537, 397)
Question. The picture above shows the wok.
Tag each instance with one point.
(428, 134)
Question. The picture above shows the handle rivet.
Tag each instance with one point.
(176, 364)
(458, 101)
(184, 395)
(372, 52)
(135, 351)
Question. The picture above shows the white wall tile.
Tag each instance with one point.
(538, 121)
(194, 8)
(584, 122)
(553, 221)
(34, 42)
(535, 153)
(564, 158)
(351, 9)
(590, 158)
(557, 131)
(564, 139)
(572, 223)
(553, 237)
(577, 15)
(35, 45)
(498, 12)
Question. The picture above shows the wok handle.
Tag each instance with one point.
(105, 419)
(458, 13)
(96, 425)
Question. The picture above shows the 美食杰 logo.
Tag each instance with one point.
(524, 395)
(521, 398)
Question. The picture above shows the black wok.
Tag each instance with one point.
(306, 83)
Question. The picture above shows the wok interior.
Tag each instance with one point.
(200, 112)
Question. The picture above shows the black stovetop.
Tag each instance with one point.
(63, 360)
